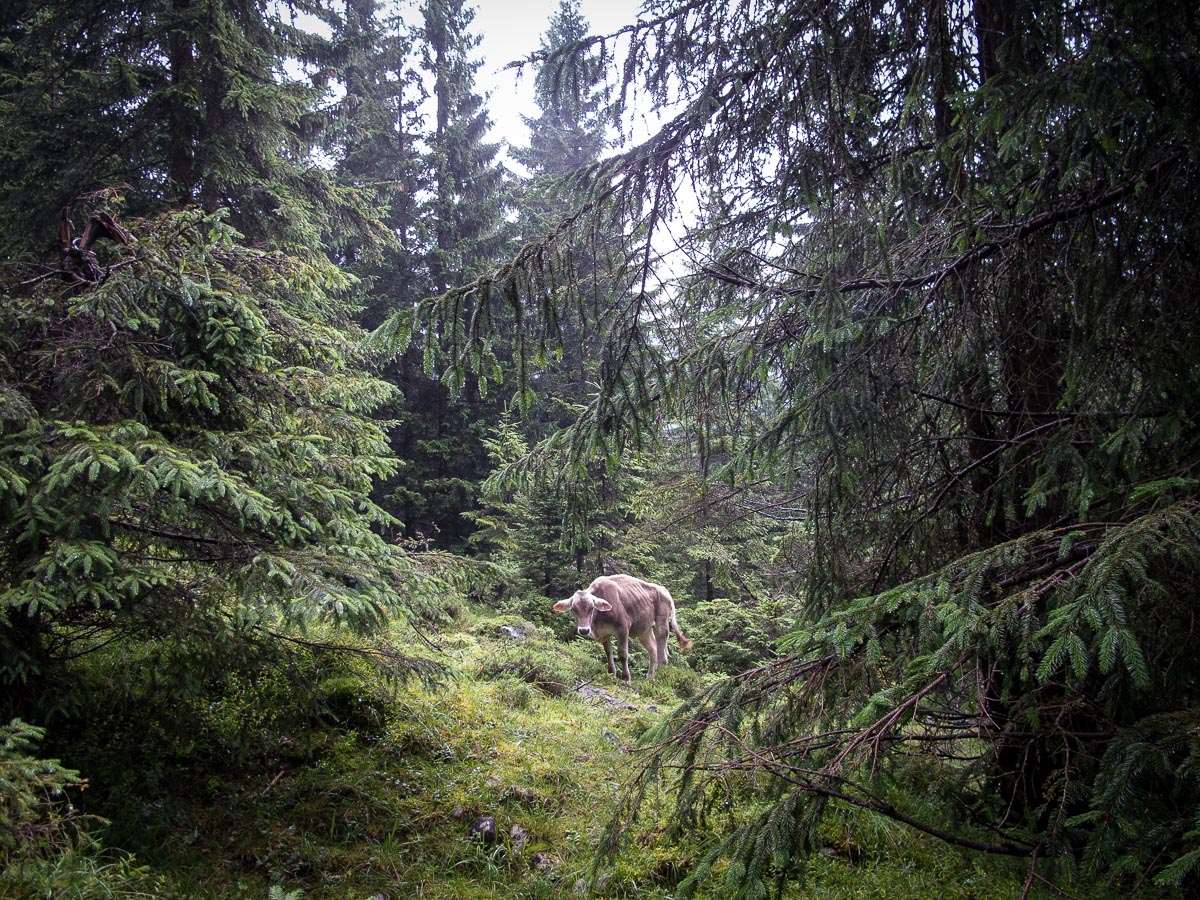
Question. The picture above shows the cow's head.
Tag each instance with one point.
(585, 605)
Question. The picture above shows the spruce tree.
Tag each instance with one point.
(582, 503)
(375, 134)
(569, 133)
(188, 445)
(187, 448)
(467, 206)
(459, 232)
(184, 103)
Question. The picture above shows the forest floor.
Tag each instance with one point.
(528, 730)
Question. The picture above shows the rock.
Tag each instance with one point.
(458, 812)
(519, 837)
(513, 632)
(521, 795)
(483, 829)
(541, 861)
(590, 692)
(582, 887)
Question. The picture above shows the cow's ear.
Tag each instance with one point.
(563, 605)
(603, 605)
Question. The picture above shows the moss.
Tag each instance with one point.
(381, 804)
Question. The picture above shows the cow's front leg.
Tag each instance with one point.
(623, 655)
(612, 670)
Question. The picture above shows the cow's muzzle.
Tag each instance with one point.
(584, 631)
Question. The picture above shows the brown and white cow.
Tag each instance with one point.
(620, 606)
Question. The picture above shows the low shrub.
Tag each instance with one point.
(541, 672)
(48, 848)
(728, 637)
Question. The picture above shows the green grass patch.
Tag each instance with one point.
(368, 787)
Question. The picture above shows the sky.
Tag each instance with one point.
(513, 29)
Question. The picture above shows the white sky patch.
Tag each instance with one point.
(511, 30)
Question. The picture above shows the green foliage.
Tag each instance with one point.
(246, 785)
(189, 451)
(1147, 792)
(532, 666)
(446, 201)
(936, 325)
(48, 847)
(925, 692)
(522, 527)
(160, 722)
(729, 638)
(182, 103)
(923, 398)
(36, 818)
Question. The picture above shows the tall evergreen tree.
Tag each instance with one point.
(459, 232)
(49, 81)
(569, 134)
(467, 207)
(566, 140)
(376, 135)
(580, 505)
(187, 447)
(184, 101)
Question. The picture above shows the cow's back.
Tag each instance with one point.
(637, 600)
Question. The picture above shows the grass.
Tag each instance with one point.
(385, 812)
(381, 806)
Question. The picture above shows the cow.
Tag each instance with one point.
(622, 605)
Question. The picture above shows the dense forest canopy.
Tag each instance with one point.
(880, 351)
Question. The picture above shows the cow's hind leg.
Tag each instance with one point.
(648, 641)
(661, 633)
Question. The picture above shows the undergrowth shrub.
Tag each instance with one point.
(540, 671)
(676, 680)
(154, 723)
(514, 694)
(37, 818)
(48, 848)
(355, 701)
(533, 606)
(728, 638)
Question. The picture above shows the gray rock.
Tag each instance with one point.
(483, 829)
(519, 838)
(591, 692)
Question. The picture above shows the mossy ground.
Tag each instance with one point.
(379, 803)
